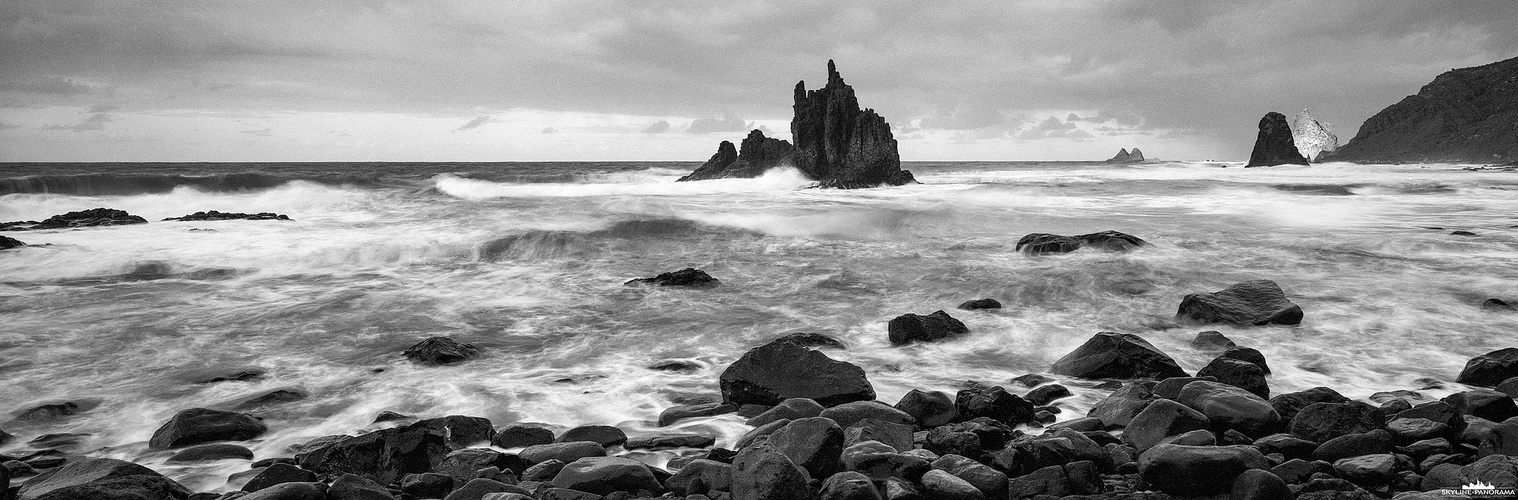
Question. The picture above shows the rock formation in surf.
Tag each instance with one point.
(1312, 137)
(1274, 145)
(82, 218)
(7, 242)
(1125, 156)
(757, 154)
(215, 215)
(1464, 115)
(835, 142)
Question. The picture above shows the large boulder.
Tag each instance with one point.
(848, 485)
(1490, 369)
(930, 408)
(603, 475)
(1117, 355)
(760, 472)
(994, 403)
(757, 154)
(440, 351)
(814, 444)
(991, 482)
(563, 452)
(1312, 136)
(1162, 419)
(1238, 373)
(1043, 243)
(1287, 405)
(1274, 145)
(777, 371)
(710, 473)
(1496, 470)
(941, 485)
(200, 425)
(1321, 422)
(1229, 407)
(1464, 115)
(1198, 470)
(382, 456)
(840, 145)
(1483, 403)
(1119, 408)
(909, 328)
(103, 479)
(462, 431)
(716, 166)
(1257, 302)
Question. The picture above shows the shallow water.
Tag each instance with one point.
(527, 262)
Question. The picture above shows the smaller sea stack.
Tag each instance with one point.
(1275, 145)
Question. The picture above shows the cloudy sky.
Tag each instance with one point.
(487, 80)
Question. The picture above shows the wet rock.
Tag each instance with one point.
(1490, 305)
(57, 410)
(1256, 484)
(7, 243)
(757, 154)
(711, 474)
(1028, 453)
(604, 434)
(83, 218)
(1274, 145)
(1117, 355)
(211, 215)
(1044, 243)
(1229, 407)
(814, 444)
(1077, 478)
(677, 413)
(994, 403)
(1257, 302)
(792, 408)
(427, 485)
(1321, 422)
(892, 434)
(1487, 370)
(1198, 470)
(208, 452)
(1241, 374)
(243, 374)
(104, 478)
(848, 414)
(940, 485)
(604, 475)
(1170, 388)
(1192, 438)
(909, 328)
(519, 436)
(760, 472)
(353, 487)
(1247, 354)
(840, 145)
(900, 489)
(563, 452)
(1047, 394)
(200, 425)
(778, 371)
(441, 351)
(289, 491)
(1354, 445)
(1287, 405)
(662, 441)
(383, 455)
(930, 409)
(815, 340)
(1119, 408)
(477, 488)
(879, 461)
(279, 473)
(688, 277)
(1484, 403)
(716, 166)
(1289, 446)
(977, 304)
(462, 431)
(273, 397)
(1375, 469)
(1509, 387)
(991, 482)
(1115, 241)
(1163, 418)
(463, 465)
(1212, 340)
(848, 485)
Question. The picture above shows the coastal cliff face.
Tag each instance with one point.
(757, 154)
(839, 144)
(1313, 137)
(1464, 115)
(1274, 145)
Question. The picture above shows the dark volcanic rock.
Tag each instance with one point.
(1162, 419)
(1119, 408)
(200, 425)
(840, 145)
(760, 472)
(909, 328)
(207, 452)
(603, 475)
(604, 434)
(1212, 340)
(1116, 241)
(1287, 405)
(1483, 403)
(931, 409)
(807, 339)
(1464, 115)
(101, 478)
(1043, 243)
(1123, 156)
(1321, 422)
(778, 371)
(1239, 373)
(518, 436)
(1487, 370)
(1198, 470)
(279, 473)
(688, 277)
(792, 408)
(1229, 407)
(48, 412)
(1257, 302)
(383, 455)
(1249, 354)
(7, 242)
(971, 305)
(994, 403)
(82, 218)
(440, 351)
(1117, 355)
(757, 154)
(1490, 304)
(214, 215)
(1275, 144)
(814, 444)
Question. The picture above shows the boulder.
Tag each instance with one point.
(849, 413)
(563, 452)
(1075, 478)
(543, 471)
(1509, 387)
(792, 408)
(1321, 422)
(100, 478)
(1249, 354)
(778, 371)
(1117, 355)
(440, 351)
(56, 410)
(463, 465)
(994, 403)
(1241, 374)
(462, 431)
(208, 452)
(1354, 445)
(606, 435)
(1287, 405)
(710, 473)
(677, 413)
(1368, 470)
(287, 491)
(1312, 137)
(972, 305)
(1492, 304)
(814, 444)
(1256, 484)
(213, 215)
(1289, 446)
(848, 485)
(809, 339)
(1258, 302)
(991, 482)
(1483, 403)
(478, 488)
(756, 155)
(83, 218)
(686, 278)
(1463, 116)
(1163, 418)
(909, 328)
(930, 409)
(1487, 370)
(278, 473)
(879, 461)
(893, 434)
(1229, 407)
(1028, 453)
(604, 475)
(200, 425)
(716, 166)
(1274, 145)
(1212, 340)
(427, 485)
(383, 455)
(1170, 388)
(840, 145)
(1115, 241)
(1043, 243)
(664, 441)
(1496, 470)
(1119, 408)
(1047, 394)
(1198, 470)
(353, 487)
(520, 436)
(940, 485)
(760, 472)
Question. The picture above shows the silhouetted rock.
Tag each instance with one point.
(1312, 137)
(840, 145)
(214, 215)
(1490, 304)
(82, 218)
(1212, 340)
(1274, 144)
(440, 351)
(688, 277)
(208, 452)
(1117, 355)
(1464, 115)
(1487, 370)
(200, 425)
(756, 155)
(7, 242)
(909, 328)
(716, 166)
(971, 305)
(1124, 156)
(1257, 302)
(1042, 243)
(778, 371)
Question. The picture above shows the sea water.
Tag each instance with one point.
(527, 262)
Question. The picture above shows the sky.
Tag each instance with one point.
(489, 80)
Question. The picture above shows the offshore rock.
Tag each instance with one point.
(1124, 156)
(689, 277)
(1257, 302)
(1465, 115)
(909, 328)
(7, 242)
(1312, 137)
(214, 215)
(200, 425)
(1274, 145)
(839, 144)
(1043, 243)
(1119, 356)
(757, 154)
(82, 218)
(1487, 370)
(778, 371)
(440, 351)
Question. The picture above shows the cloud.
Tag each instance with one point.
(94, 122)
(8, 126)
(1053, 128)
(473, 124)
(658, 127)
(550, 130)
(51, 85)
(1106, 115)
(727, 123)
(964, 117)
(260, 133)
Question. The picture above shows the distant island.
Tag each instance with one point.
(1125, 156)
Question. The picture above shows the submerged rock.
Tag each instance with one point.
(82, 218)
(909, 328)
(1312, 137)
(1257, 302)
(972, 305)
(839, 144)
(1465, 115)
(688, 277)
(214, 215)
(757, 154)
(1490, 304)
(1274, 145)
(1124, 156)
(1119, 356)
(778, 371)
(440, 351)
(1043, 243)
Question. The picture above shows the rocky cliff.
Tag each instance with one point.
(1124, 156)
(1464, 115)
(1312, 137)
(757, 154)
(1274, 146)
(839, 144)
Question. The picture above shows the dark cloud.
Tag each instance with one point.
(46, 85)
(94, 122)
(657, 127)
(475, 123)
(727, 123)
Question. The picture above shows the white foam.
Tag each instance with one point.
(776, 179)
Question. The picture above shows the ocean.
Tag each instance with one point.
(527, 261)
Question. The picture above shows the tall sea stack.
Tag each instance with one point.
(840, 145)
(1465, 115)
(1274, 145)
